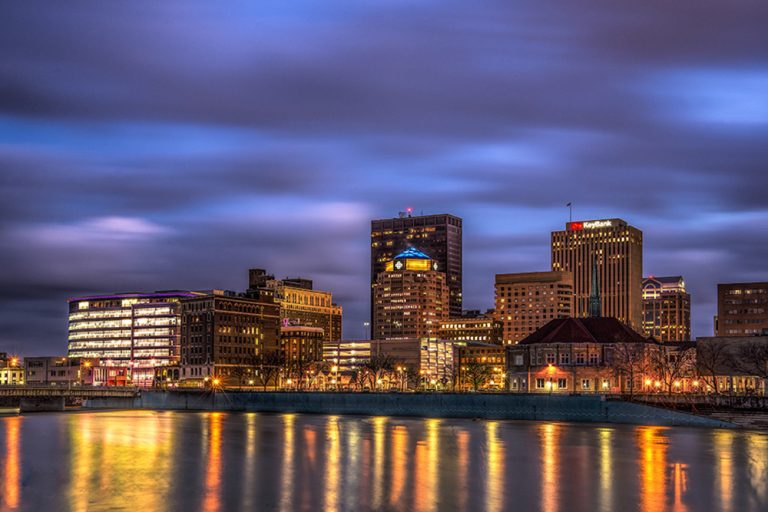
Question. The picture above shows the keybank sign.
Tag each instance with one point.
(591, 224)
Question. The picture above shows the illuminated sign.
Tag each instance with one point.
(590, 224)
(398, 265)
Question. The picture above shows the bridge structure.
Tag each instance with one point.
(55, 398)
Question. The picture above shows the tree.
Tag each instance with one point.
(270, 364)
(377, 367)
(752, 359)
(475, 373)
(672, 363)
(632, 360)
(713, 358)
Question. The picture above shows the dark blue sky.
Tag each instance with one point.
(157, 145)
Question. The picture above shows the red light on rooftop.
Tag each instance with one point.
(576, 226)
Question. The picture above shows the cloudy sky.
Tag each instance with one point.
(158, 145)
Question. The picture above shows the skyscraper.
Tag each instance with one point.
(527, 301)
(666, 309)
(616, 250)
(437, 235)
(410, 297)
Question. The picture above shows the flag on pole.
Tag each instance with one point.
(569, 204)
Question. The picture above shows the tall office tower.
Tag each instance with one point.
(742, 309)
(136, 331)
(526, 301)
(666, 309)
(616, 249)
(224, 333)
(300, 304)
(437, 235)
(410, 297)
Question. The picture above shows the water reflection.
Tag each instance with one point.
(211, 501)
(606, 469)
(494, 492)
(549, 434)
(653, 467)
(218, 461)
(332, 458)
(11, 464)
(724, 468)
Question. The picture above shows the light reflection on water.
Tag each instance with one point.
(151, 461)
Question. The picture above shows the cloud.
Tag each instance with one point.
(149, 146)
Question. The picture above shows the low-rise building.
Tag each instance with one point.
(581, 355)
(733, 364)
(11, 370)
(59, 371)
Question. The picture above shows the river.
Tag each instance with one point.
(144, 461)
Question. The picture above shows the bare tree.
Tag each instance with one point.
(752, 359)
(377, 367)
(632, 360)
(713, 358)
(672, 363)
(269, 365)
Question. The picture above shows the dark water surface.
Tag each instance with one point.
(153, 461)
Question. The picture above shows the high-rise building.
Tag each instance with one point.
(224, 333)
(138, 331)
(742, 309)
(437, 235)
(299, 303)
(410, 297)
(666, 309)
(616, 249)
(528, 300)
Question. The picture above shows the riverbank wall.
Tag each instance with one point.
(579, 408)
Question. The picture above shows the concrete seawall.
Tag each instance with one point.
(589, 409)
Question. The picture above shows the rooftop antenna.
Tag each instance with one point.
(570, 212)
(409, 211)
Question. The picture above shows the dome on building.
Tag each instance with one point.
(411, 259)
(412, 253)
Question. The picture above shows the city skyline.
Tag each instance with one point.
(180, 157)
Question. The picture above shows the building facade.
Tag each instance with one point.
(440, 236)
(666, 309)
(411, 297)
(11, 370)
(479, 366)
(135, 331)
(742, 309)
(224, 334)
(616, 249)
(59, 371)
(300, 344)
(471, 326)
(581, 355)
(526, 301)
(299, 302)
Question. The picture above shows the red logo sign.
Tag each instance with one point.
(577, 226)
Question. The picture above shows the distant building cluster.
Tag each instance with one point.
(591, 323)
